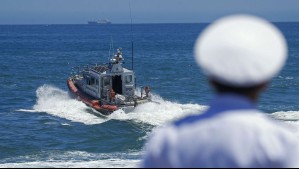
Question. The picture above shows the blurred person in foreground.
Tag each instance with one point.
(239, 54)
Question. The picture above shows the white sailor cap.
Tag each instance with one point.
(241, 50)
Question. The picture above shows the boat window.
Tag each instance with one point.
(92, 81)
(129, 79)
(88, 81)
(106, 81)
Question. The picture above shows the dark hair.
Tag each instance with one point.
(222, 88)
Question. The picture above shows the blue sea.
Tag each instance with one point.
(42, 126)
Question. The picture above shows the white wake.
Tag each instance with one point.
(57, 102)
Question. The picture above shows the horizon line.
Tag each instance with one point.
(47, 24)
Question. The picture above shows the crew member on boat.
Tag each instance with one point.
(112, 95)
(147, 90)
(119, 56)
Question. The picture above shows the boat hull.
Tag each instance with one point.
(104, 109)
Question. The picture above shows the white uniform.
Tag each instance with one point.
(239, 51)
(232, 133)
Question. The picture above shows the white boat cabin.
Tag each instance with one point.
(99, 80)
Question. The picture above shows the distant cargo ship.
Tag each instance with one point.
(99, 22)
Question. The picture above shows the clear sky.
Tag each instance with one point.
(143, 11)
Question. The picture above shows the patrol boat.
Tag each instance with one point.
(108, 87)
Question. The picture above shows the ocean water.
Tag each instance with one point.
(42, 126)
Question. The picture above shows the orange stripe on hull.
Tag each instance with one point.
(87, 100)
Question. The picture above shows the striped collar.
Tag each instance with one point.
(221, 103)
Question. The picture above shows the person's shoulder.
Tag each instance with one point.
(234, 135)
(191, 119)
(259, 128)
(160, 142)
(253, 119)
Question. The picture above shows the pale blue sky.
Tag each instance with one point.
(143, 11)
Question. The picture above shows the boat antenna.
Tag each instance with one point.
(131, 36)
(111, 48)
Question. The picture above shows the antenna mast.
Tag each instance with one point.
(131, 36)
(111, 48)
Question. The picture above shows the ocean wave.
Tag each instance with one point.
(73, 159)
(286, 115)
(289, 118)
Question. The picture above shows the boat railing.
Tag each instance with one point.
(97, 68)
(100, 68)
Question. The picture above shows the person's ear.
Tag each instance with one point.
(264, 86)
